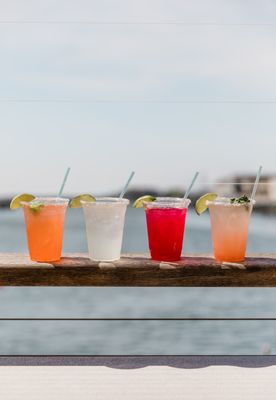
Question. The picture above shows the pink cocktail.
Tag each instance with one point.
(166, 224)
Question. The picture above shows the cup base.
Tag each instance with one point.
(229, 260)
(166, 259)
(45, 261)
(105, 260)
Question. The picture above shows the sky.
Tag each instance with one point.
(134, 90)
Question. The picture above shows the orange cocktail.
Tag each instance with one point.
(44, 219)
(229, 223)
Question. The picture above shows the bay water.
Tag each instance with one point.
(143, 337)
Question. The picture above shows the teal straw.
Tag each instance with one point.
(188, 191)
(64, 182)
(123, 192)
(256, 183)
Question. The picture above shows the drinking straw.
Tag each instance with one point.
(188, 191)
(254, 190)
(63, 182)
(123, 192)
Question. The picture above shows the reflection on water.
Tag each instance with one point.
(137, 337)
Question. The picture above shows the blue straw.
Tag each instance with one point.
(256, 183)
(188, 191)
(123, 192)
(63, 182)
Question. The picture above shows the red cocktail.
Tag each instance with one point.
(166, 224)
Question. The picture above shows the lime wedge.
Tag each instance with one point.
(17, 200)
(201, 205)
(76, 201)
(144, 199)
(36, 207)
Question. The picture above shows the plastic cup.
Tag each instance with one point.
(229, 226)
(104, 221)
(44, 227)
(166, 219)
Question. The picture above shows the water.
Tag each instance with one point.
(185, 337)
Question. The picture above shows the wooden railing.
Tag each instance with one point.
(138, 270)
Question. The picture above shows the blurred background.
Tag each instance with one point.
(164, 88)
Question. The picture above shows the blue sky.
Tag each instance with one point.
(110, 77)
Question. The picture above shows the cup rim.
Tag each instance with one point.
(168, 202)
(53, 201)
(225, 202)
(101, 200)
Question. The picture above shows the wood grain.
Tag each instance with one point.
(138, 270)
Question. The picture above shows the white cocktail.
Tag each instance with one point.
(104, 219)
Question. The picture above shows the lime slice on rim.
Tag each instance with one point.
(76, 201)
(201, 205)
(144, 199)
(36, 207)
(17, 200)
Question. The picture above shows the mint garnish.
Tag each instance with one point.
(240, 200)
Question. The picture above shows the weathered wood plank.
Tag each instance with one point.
(138, 270)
